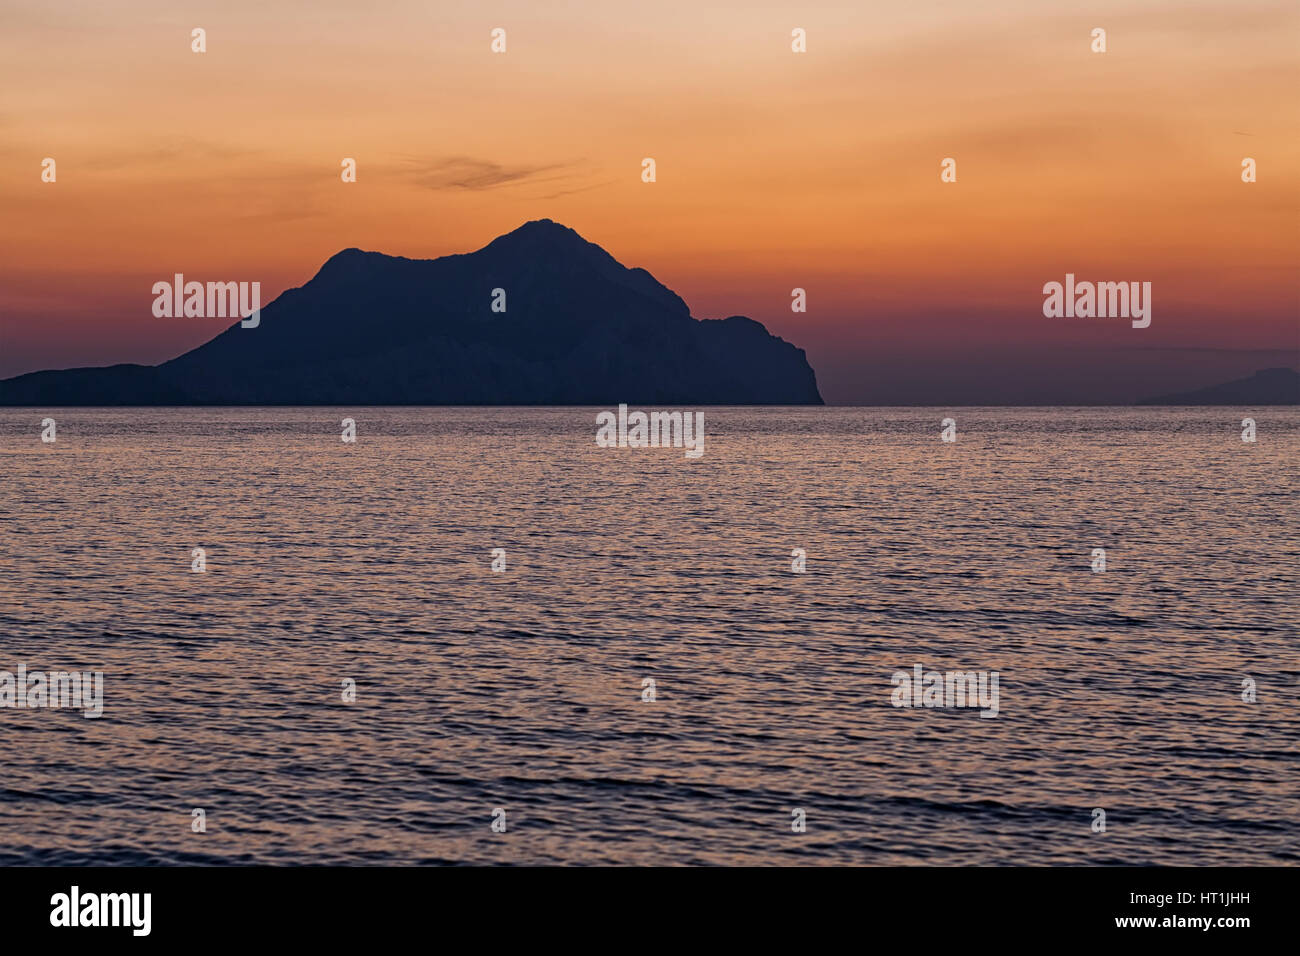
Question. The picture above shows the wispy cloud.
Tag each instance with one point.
(467, 172)
(475, 174)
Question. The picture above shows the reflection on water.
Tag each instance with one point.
(522, 690)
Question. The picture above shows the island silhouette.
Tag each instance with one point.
(1268, 386)
(578, 328)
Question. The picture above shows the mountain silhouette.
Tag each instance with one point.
(1268, 386)
(579, 328)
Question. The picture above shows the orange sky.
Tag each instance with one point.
(775, 169)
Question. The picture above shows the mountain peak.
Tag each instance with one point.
(541, 236)
(535, 239)
(544, 227)
(350, 263)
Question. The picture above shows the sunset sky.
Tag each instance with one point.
(775, 170)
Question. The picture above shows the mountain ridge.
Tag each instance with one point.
(579, 328)
(1268, 386)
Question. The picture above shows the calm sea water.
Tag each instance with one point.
(522, 690)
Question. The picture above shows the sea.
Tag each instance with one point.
(475, 636)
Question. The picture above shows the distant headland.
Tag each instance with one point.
(1268, 386)
(539, 316)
